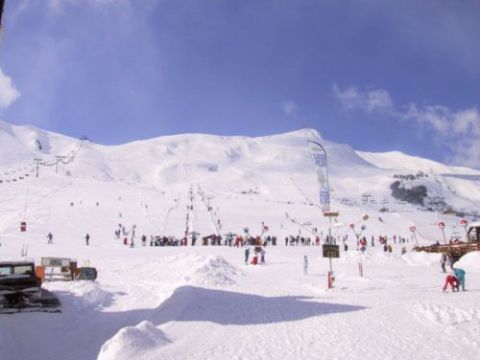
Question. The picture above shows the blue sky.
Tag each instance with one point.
(378, 75)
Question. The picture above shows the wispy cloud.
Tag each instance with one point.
(458, 130)
(369, 100)
(290, 108)
(8, 92)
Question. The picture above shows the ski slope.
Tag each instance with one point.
(203, 302)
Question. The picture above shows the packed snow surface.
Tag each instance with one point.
(203, 301)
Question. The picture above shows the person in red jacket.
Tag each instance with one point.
(452, 281)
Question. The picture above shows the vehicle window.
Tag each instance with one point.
(22, 270)
(5, 271)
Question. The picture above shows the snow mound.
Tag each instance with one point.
(215, 271)
(421, 258)
(133, 342)
(470, 262)
(90, 294)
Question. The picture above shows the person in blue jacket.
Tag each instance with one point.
(460, 275)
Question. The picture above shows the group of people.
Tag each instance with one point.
(210, 240)
(165, 241)
(455, 277)
(258, 251)
(298, 240)
(247, 240)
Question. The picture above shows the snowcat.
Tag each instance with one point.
(21, 291)
(64, 269)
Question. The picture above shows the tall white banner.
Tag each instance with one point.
(319, 156)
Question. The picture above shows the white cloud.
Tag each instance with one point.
(370, 100)
(8, 92)
(457, 130)
(290, 108)
(378, 100)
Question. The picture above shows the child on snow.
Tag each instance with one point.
(452, 281)
(460, 275)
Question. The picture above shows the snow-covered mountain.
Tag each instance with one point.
(279, 166)
(234, 170)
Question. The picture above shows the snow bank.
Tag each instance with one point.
(380, 257)
(214, 271)
(470, 262)
(421, 258)
(133, 342)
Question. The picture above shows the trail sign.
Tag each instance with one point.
(331, 251)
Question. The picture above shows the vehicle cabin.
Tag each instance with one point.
(16, 268)
(474, 232)
(55, 268)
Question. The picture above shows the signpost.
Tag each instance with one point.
(331, 251)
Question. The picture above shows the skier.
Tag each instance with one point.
(363, 244)
(50, 238)
(451, 260)
(305, 264)
(460, 275)
(247, 254)
(194, 238)
(452, 281)
(144, 240)
(262, 256)
(87, 239)
(443, 261)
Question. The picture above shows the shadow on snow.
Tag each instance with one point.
(189, 303)
(86, 329)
